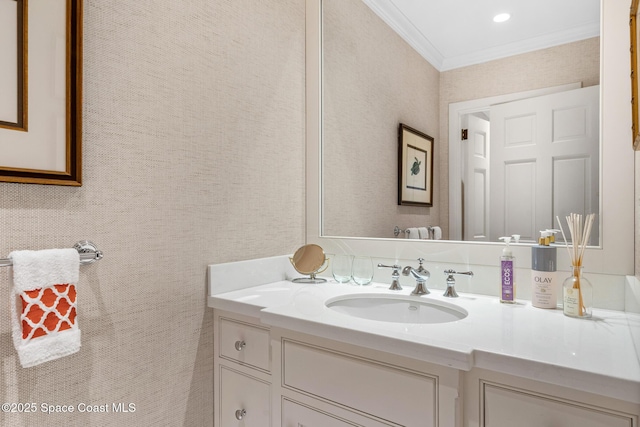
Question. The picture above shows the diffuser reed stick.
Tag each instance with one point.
(580, 230)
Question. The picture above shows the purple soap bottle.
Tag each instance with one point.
(507, 274)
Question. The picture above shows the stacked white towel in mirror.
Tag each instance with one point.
(424, 233)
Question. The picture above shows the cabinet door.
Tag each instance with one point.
(244, 401)
(381, 390)
(296, 415)
(507, 407)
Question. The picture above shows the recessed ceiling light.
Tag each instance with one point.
(501, 17)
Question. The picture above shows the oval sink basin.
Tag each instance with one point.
(396, 308)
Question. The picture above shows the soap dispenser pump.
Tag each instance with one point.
(507, 273)
(544, 263)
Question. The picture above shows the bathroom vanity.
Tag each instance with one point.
(283, 357)
(282, 377)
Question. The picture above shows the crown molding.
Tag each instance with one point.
(389, 13)
(392, 16)
(517, 48)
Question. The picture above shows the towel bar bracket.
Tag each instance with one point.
(88, 251)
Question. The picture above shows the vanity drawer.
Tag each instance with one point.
(388, 392)
(244, 343)
(505, 406)
(296, 414)
(244, 401)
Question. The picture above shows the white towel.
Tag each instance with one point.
(437, 233)
(423, 232)
(412, 233)
(44, 311)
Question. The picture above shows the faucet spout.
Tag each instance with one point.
(421, 279)
(408, 270)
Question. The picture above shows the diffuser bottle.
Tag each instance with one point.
(507, 274)
(577, 291)
(577, 295)
(544, 284)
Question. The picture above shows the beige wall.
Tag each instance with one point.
(193, 154)
(373, 80)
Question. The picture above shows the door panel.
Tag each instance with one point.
(555, 140)
(476, 204)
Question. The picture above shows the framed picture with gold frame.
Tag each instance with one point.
(41, 118)
(13, 67)
(635, 74)
(415, 167)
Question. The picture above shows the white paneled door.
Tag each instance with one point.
(476, 190)
(544, 161)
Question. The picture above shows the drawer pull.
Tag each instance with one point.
(240, 414)
(240, 345)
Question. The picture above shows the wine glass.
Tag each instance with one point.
(362, 271)
(341, 268)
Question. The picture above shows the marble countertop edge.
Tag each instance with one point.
(519, 340)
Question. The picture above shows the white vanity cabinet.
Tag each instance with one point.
(242, 375)
(325, 383)
(498, 400)
(270, 376)
(274, 377)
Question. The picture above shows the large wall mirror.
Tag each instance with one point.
(373, 69)
(41, 91)
(374, 79)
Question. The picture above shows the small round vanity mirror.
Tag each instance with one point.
(309, 259)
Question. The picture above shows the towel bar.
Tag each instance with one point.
(88, 251)
(398, 230)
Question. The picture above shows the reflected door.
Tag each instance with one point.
(549, 144)
(476, 189)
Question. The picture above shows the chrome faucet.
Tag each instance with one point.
(451, 290)
(421, 275)
(395, 275)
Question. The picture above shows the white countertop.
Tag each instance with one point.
(596, 355)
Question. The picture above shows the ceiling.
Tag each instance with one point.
(456, 33)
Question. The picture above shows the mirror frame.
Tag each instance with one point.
(72, 175)
(615, 255)
(635, 70)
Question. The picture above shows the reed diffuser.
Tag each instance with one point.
(576, 290)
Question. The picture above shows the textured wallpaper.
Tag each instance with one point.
(373, 80)
(193, 154)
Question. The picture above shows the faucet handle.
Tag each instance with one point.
(451, 290)
(395, 276)
(452, 272)
(421, 268)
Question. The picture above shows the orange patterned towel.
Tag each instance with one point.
(44, 314)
